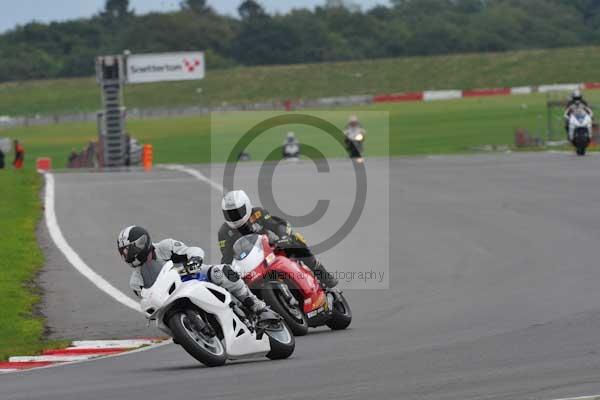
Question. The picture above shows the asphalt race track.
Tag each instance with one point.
(493, 280)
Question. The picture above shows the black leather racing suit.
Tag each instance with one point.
(262, 222)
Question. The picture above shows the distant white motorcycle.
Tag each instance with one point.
(580, 128)
(354, 143)
(209, 323)
(291, 151)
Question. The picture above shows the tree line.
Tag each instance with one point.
(337, 31)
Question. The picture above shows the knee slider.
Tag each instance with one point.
(215, 274)
(230, 274)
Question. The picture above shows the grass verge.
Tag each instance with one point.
(21, 330)
(256, 84)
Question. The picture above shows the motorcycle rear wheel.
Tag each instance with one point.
(341, 315)
(209, 351)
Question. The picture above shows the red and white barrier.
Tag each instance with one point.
(486, 92)
(79, 351)
(434, 95)
(521, 90)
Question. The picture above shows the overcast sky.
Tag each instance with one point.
(22, 11)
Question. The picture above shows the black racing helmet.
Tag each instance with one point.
(134, 245)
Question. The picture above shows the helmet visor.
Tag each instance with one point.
(130, 252)
(235, 215)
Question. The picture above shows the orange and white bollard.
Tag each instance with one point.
(147, 157)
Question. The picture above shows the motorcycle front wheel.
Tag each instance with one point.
(294, 316)
(282, 342)
(185, 328)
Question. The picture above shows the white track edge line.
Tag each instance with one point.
(196, 174)
(52, 358)
(74, 258)
(582, 398)
(109, 344)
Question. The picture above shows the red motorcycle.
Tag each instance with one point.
(289, 286)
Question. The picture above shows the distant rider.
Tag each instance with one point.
(353, 123)
(576, 101)
(242, 219)
(353, 130)
(291, 146)
(147, 259)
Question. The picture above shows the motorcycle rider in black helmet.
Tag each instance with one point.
(242, 219)
(147, 259)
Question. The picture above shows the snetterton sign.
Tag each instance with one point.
(143, 68)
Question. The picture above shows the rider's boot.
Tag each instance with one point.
(229, 279)
(260, 309)
(327, 280)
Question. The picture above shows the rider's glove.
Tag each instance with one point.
(273, 238)
(193, 265)
(283, 242)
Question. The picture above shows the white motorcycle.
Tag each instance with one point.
(580, 129)
(208, 322)
(354, 143)
(291, 151)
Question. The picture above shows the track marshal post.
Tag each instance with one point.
(114, 72)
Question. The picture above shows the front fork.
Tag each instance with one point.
(333, 296)
(287, 295)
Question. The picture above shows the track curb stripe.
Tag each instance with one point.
(22, 365)
(97, 349)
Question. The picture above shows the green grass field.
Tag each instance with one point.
(442, 127)
(21, 331)
(255, 84)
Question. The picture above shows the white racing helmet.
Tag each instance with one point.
(237, 208)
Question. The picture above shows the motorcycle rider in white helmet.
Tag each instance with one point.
(242, 219)
(147, 259)
(291, 146)
(575, 101)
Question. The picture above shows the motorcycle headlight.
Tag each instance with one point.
(359, 137)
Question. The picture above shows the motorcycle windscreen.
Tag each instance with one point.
(150, 272)
(247, 253)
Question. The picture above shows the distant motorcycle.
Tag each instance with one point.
(580, 129)
(291, 151)
(209, 323)
(288, 286)
(354, 143)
